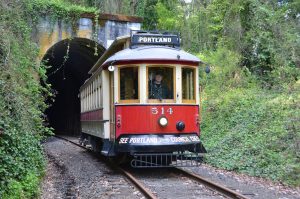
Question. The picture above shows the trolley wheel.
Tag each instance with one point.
(83, 140)
(96, 144)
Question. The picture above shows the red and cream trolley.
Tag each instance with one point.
(142, 101)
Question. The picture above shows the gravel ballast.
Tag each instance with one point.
(251, 187)
(72, 172)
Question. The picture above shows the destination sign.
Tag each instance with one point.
(154, 139)
(155, 39)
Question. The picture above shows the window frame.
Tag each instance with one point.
(188, 101)
(147, 83)
(119, 85)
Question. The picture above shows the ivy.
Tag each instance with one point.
(22, 103)
(23, 92)
(57, 9)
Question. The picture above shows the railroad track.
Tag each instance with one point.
(148, 194)
(140, 186)
(215, 186)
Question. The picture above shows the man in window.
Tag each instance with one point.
(157, 88)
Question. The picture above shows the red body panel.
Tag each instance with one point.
(143, 119)
(96, 115)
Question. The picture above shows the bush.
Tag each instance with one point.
(22, 98)
(248, 128)
(27, 188)
(21, 107)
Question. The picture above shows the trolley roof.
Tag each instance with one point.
(142, 47)
(155, 54)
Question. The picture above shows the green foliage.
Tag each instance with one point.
(21, 106)
(150, 15)
(27, 188)
(225, 70)
(264, 34)
(168, 16)
(55, 11)
(22, 98)
(247, 128)
(59, 9)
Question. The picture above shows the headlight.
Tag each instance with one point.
(163, 121)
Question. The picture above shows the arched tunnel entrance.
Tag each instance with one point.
(69, 61)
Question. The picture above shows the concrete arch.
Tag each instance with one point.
(70, 61)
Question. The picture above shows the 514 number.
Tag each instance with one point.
(161, 110)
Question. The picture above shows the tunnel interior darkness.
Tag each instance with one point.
(69, 62)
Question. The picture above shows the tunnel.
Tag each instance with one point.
(68, 63)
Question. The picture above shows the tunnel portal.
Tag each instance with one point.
(69, 62)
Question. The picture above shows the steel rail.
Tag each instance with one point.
(147, 193)
(63, 138)
(215, 186)
(138, 184)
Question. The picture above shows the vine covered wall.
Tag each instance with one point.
(22, 98)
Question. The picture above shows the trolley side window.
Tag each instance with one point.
(128, 84)
(188, 84)
(90, 95)
(161, 83)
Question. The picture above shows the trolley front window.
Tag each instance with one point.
(188, 85)
(161, 83)
(128, 84)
